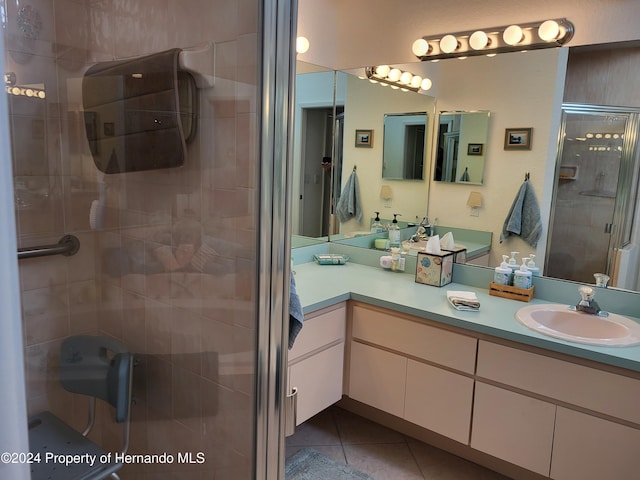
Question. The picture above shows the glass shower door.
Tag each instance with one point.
(593, 192)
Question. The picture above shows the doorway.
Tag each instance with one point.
(594, 195)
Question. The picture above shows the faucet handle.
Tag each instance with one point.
(586, 293)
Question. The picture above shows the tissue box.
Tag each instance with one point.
(459, 253)
(434, 269)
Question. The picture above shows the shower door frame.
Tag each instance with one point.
(627, 185)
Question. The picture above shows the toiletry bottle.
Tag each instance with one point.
(513, 264)
(376, 226)
(522, 276)
(535, 271)
(394, 233)
(503, 273)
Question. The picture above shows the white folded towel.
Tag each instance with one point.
(461, 300)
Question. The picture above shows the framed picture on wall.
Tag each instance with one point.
(475, 148)
(364, 138)
(517, 138)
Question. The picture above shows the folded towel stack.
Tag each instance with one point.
(461, 300)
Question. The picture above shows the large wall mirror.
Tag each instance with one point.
(529, 96)
(405, 141)
(461, 147)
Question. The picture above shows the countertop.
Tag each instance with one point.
(320, 286)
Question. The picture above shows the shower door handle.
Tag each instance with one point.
(608, 227)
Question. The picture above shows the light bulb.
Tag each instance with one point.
(416, 81)
(426, 84)
(448, 43)
(478, 40)
(512, 35)
(383, 70)
(549, 31)
(420, 47)
(302, 44)
(394, 75)
(406, 78)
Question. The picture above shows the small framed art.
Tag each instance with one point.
(364, 138)
(517, 138)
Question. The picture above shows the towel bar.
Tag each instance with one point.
(67, 246)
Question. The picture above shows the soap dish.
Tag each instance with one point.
(331, 259)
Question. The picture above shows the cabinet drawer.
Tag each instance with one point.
(412, 338)
(590, 448)
(319, 330)
(439, 400)
(318, 380)
(377, 378)
(513, 427)
(604, 392)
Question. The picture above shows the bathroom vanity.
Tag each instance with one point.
(478, 384)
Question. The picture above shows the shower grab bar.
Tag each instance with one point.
(67, 246)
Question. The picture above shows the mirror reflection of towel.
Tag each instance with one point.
(349, 204)
(524, 217)
(465, 176)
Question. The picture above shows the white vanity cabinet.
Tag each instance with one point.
(590, 448)
(316, 361)
(411, 370)
(513, 427)
(555, 417)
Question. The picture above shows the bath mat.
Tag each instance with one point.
(308, 464)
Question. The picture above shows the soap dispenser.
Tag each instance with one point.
(522, 276)
(376, 226)
(535, 271)
(513, 265)
(394, 232)
(503, 273)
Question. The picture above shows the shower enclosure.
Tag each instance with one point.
(175, 263)
(595, 196)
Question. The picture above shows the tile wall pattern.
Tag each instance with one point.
(173, 272)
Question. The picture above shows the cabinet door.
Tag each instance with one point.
(513, 427)
(590, 448)
(377, 378)
(439, 400)
(318, 380)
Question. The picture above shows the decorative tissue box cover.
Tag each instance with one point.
(434, 269)
(459, 253)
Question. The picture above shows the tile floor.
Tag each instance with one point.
(380, 452)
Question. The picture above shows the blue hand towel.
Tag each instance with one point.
(296, 317)
(349, 204)
(524, 217)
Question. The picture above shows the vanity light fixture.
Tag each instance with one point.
(489, 41)
(302, 45)
(385, 75)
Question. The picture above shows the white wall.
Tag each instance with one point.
(365, 106)
(520, 90)
(373, 32)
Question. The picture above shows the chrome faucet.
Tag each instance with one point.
(587, 304)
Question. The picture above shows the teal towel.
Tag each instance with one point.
(349, 204)
(296, 317)
(524, 217)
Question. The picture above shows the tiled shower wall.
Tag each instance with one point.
(172, 274)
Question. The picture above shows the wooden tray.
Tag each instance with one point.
(508, 291)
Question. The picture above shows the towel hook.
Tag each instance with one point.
(355, 167)
(526, 176)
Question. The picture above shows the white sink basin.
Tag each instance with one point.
(558, 321)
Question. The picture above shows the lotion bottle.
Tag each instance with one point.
(522, 276)
(394, 233)
(535, 271)
(376, 226)
(502, 275)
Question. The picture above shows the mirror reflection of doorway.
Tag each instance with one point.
(594, 196)
(316, 169)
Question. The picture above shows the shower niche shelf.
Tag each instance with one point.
(568, 172)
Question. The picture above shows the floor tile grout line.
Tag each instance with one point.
(415, 459)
